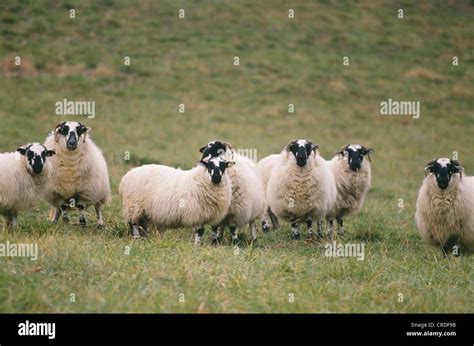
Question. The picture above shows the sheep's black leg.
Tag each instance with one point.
(451, 247)
(64, 208)
(233, 232)
(320, 229)
(309, 226)
(198, 233)
(295, 231)
(331, 228)
(10, 220)
(215, 236)
(274, 219)
(340, 227)
(82, 215)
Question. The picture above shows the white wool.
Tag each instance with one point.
(352, 187)
(300, 192)
(82, 172)
(19, 186)
(442, 214)
(248, 195)
(170, 198)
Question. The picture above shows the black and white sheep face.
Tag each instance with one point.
(354, 155)
(70, 133)
(36, 155)
(301, 149)
(443, 169)
(216, 168)
(214, 149)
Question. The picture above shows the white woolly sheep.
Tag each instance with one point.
(248, 196)
(445, 206)
(78, 176)
(301, 186)
(264, 167)
(353, 177)
(171, 198)
(23, 176)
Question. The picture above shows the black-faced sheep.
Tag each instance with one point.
(78, 176)
(353, 177)
(23, 176)
(172, 198)
(301, 186)
(248, 196)
(445, 206)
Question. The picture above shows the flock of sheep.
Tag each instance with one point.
(226, 190)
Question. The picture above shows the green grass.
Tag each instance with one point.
(282, 61)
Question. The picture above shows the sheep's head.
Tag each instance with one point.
(216, 167)
(69, 133)
(215, 149)
(443, 170)
(35, 155)
(302, 150)
(354, 154)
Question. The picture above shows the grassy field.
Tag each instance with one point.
(282, 61)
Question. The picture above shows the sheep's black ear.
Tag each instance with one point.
(341, 152)
(367, 151)
(202, 149)
(229, 164)
(457, 168)
(202, 163)
(288, 146)
(50, 152)
(22, 151)
(314, 146)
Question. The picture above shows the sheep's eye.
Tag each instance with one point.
(64, 130)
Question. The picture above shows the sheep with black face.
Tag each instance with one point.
(445, 206)
(301, 186)
(79, 176)
(167, 197)
(248, 196)
(352, 173)
(23, 177)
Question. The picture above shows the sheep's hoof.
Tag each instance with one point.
(296, 236)
(100, 226)
(82, 223)
(65, 219)
(266, 227)
(216, 241)
(236, 242)
(320, 234)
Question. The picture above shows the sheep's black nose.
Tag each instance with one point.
(301, 162)
(216, 179)
(355, 166)
(37, 169)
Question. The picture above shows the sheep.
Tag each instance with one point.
(171, 198)
(353, 178)
(445, 206)
(248, 196)
(79, 176)
(265, 167)
(301, 185)
(23, 176)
